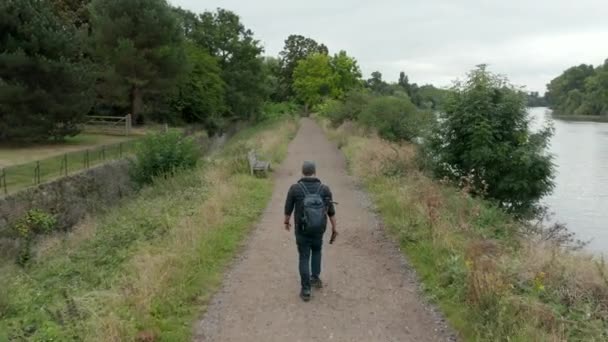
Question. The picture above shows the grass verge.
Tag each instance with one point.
(494, 278)
(144, 270)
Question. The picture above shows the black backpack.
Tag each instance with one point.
(314, 213)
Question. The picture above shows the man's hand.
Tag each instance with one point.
(334, 231)
(334, 235)
(286, 222)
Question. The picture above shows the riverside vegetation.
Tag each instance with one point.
(478, 243)
(144, 269)
(581, 91)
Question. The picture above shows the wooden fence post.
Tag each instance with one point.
(85, 162)
(37, 173)
(63, 169)
(3, 179)
(128, 125)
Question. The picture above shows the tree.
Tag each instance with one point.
(272, 72)
(296, 48)
(200, 95)
(483, 136)
(74, 12)
(429, 97)
(535, 100)
(223, 35)
(188, 21)
(140, 42)
(377, 85)
(44, 83)
(596, 92)
(313, 79)
(405, 83)
(347, 74)
(558, 90)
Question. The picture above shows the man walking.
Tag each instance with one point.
(313, 204)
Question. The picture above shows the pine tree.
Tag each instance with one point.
(45, 84)
(140, 42)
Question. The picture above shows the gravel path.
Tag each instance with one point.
(370, 292)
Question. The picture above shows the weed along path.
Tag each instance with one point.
(370, 294)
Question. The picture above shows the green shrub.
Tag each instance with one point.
(483, 135)
(34, 222)
(347, 110)
(395, 118)
(161, 155)
(274, 111)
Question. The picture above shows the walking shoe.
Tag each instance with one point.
(316, 282)
(305, 295)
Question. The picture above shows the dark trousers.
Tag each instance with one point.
(309, 249)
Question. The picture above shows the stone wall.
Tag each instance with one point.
(72, 197)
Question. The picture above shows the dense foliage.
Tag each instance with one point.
(140, 45)
(580, 90)
(64, 59)
(320, 76)
(313, 79)
(483, 139)
(224, 36)
(426, 96)
(200, 95)
(395, 118)
(162, 155)
(535, 100)
(348, 109)
(44, 81)
(296, 48)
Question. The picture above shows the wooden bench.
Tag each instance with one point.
(255, 164)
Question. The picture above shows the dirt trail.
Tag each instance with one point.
(370, 293)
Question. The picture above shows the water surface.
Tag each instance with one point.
(580, 198)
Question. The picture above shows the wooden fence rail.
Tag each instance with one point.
(109, 124)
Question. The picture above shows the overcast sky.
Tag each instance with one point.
(437, 41)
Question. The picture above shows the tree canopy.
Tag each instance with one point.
(200, 95)
(320, 76)
(223, 35)
(296, 48)
(314, 79)
(580, 90)
(347, 74)
(139, 43)
(44, 81)
(483, 137)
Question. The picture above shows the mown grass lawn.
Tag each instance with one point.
(56, 160)
(16, 154)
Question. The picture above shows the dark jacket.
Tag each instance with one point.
(295, 198)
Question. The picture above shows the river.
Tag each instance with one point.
(580, 198)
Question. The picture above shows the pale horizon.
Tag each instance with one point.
(437, 41)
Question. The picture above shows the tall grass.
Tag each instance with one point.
(145, 270)
(494, 278)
